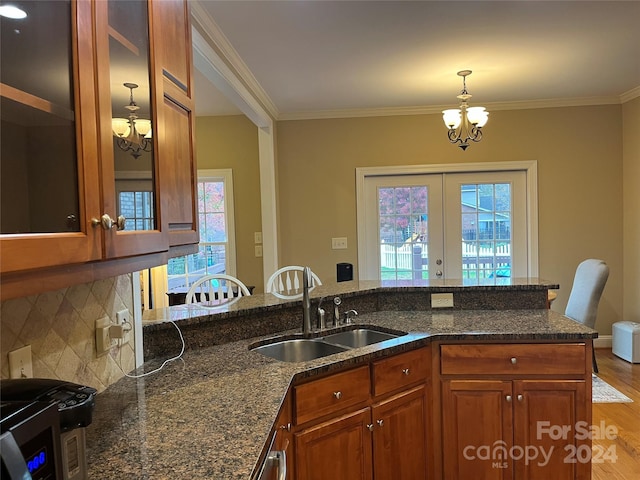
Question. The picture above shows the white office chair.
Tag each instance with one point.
(286, 282)
(216, 290)
(588, 284)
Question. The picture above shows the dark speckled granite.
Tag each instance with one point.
(262, 314)
(210, 414)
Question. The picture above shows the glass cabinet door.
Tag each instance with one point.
(49, 187)
(39, 158)
(128, 129)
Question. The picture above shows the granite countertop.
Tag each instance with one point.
(210, 414)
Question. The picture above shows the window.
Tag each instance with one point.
(216, 252)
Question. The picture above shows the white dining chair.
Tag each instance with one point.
(216, 290)
(286, 282)
(588, 284)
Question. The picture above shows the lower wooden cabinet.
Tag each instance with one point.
(515, 428)
(372, 422)
(337, 448)
(400, 436)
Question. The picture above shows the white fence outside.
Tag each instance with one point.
(401, 258)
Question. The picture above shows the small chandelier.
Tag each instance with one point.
(465, 123)
(132, 134)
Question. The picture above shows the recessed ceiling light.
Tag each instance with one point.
(11, 11)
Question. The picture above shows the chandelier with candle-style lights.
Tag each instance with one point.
(132, 134)
(465, 123)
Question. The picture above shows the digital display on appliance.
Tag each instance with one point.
(37, 461)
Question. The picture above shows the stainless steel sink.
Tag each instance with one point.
(359, 337)
(298, 350)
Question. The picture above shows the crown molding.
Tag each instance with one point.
(630, 95)
(426, 110)
(210, 30)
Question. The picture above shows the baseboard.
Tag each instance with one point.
(603, 341)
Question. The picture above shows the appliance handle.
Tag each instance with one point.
(13, 459)
(279, 456)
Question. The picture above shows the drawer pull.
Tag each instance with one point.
(370, 427)
(338, 395)
(405, 371)
(514, 360)
(380, 422)
(520, 398)
(508, 398)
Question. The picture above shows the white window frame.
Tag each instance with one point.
(530, 167)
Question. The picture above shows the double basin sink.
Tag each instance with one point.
(306, 349)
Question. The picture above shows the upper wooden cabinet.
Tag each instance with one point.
(97, 140)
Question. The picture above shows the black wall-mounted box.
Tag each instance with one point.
(344, 272)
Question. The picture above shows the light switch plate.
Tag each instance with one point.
(20, 363)
(257, 237)
(258, 249)
(339, 243)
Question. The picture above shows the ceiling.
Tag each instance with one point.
(316, 58)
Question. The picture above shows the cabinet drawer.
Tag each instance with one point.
(330, 394)
(400, 370)
(513, 358)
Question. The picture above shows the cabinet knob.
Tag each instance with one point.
(370, 427)
(508, 398)
(406, 371)
(380, 422)
(338, 395)
(520, 398)
(514, 360)
(286, 427)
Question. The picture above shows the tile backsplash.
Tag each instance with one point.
(60, 327)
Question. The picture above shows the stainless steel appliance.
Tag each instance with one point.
(43, 424)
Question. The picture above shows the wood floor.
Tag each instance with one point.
(621, 456)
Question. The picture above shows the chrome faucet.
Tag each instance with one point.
(348, 316)
(307, 281)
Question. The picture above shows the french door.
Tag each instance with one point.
(475, 225)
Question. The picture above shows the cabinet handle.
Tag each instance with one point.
(338, 395)
(508, 398)
(520, 398)
(370, 427)
(514, 360)
(405, 371)
(380, 422)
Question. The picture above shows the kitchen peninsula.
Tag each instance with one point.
(213, 413)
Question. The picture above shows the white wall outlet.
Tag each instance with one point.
(339, 243)
(257, 237)
(20, 363)
(441, 300)
(103, 338)
(258, 249)
(122, 317)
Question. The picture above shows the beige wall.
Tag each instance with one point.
(60, 327)
(579, 155)
(232, 142)
(631, 213)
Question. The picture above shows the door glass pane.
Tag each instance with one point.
(403, 233)
(37, 110)
(486, 230)
(131, 119)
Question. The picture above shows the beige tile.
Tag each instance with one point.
(14, 314)
(92, 311)
(35, 330)
(65, 321)
(41, 370)
(78, 294)
(51, 350)
(69, 365)
(49, 302)
(102, 289)
(82, 341)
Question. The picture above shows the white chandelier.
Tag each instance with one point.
(132, 134)
(465, 123)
